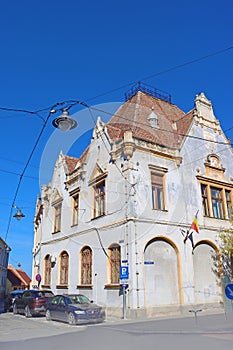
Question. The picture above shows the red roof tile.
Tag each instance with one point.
(133, 115)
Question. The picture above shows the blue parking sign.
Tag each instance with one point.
(124, 272)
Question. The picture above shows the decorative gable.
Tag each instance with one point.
(56, 197)
(214, 171)
(98, 173)
(204, 113)
(214, 168)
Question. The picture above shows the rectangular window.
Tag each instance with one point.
(216, 197)
(99, 199)
(75, 209)
(216, 201)
(204, 200)
(229, 205)
(57, 218)
(157, 191)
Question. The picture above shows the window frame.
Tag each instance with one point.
(57, 213)
(64, 268)
(99, 208)
(75, 209)
(86, 266)
(47, 270)
(114, 264)
(220, 206)
(158, 187)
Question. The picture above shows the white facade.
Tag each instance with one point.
(165, 275)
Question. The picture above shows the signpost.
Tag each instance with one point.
(124, 275)
(228, 296)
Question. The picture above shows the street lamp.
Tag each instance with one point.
(64, 122)
(18, 215)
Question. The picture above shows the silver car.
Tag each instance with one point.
(74, 309)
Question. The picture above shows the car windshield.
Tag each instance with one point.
(78, 299)
(16, 293)
(47, 294)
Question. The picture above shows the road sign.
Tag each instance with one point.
(124, 272)
(229, 291)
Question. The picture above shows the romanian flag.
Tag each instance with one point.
(194, 225)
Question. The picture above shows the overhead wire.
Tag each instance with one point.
(74, 102)
(178, 66)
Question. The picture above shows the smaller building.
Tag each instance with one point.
(4, 256)
(16, 279)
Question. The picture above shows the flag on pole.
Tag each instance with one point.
(193, 228)
(194, 225)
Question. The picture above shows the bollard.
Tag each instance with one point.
(195, 311)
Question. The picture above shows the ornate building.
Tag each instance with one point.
(130, 200)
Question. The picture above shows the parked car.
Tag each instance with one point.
(74, 309)
(9, 299)
(32, 302)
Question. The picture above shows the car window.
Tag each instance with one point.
(46, 294)
(62, 301)
(55, 300)
(83, 299)
(78, 299)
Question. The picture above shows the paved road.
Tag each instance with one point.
(210, 332)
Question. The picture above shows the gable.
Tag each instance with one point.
(56, 197)
(97, 174)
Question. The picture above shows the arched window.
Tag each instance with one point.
(86, 265)
(64, 268)
(47, 270)
(115, 262)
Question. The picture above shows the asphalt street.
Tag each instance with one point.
(207, 332)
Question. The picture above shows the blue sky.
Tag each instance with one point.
(52, 51)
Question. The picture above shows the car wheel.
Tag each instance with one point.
(27, 311)
(15, 309)
(71, 318)
(48, 315)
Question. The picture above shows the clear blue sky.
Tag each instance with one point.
(53, 51)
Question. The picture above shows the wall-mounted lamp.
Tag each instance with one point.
(37, 263)
(53, 260)
(18, 215)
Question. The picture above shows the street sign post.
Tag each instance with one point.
(124, 275)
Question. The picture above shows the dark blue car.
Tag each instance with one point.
(74, 309)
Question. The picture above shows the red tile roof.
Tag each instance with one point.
(133, 115)
(18, 277)
(71, 163)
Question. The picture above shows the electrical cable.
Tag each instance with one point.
(74, 102)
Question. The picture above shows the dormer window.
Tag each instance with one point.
(153, 119)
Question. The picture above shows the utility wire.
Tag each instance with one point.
(75, 102)
(163, 72)
(23, 172)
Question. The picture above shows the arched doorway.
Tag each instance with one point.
(206, 273)
(161, 273)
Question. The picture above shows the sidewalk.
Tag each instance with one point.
(189, 324)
